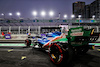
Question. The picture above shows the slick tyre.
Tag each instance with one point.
(84, 49)
(27, 42)
(60, 55)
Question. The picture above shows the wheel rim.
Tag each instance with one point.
(55, 53)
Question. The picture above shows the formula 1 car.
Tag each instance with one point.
(61, 48)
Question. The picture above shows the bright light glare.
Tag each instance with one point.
(18, 13)
(10, 14)
(65, 16)
(72, 16)
(93, 16)
(43, 13)
(34, 13)
(51, 13)
(2, 14)
(79, 16)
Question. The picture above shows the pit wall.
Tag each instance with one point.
(18, 36)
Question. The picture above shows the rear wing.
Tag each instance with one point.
(80, 34)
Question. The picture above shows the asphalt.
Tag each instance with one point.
(29, 57)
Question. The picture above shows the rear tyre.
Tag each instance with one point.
(84, 49)
(60, 55)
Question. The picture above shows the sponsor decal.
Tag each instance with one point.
(48, 43)
(76, 30)
(7, 36)
(77, 34)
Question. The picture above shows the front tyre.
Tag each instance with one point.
(27, 42)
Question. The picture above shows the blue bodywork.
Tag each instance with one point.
(44, 37)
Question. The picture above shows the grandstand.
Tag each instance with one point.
(34, 26)
(53, 22)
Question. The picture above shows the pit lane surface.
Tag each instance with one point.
(28, 57)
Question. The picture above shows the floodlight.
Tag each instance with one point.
(79, 16)
(51, 13)
(2, 14)
(72, 16)
(18, 13)
(10, 14)
(34, 13)
(65, 16)
(43, 13)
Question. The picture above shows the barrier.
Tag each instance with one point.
(35, 29)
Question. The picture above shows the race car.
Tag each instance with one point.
(61, 48)
(44, 39)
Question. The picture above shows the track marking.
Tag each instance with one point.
(98, 49)
(10, 50)
(23, 57)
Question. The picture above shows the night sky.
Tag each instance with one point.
(25, 7)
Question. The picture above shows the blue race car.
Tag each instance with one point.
(39, 41)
